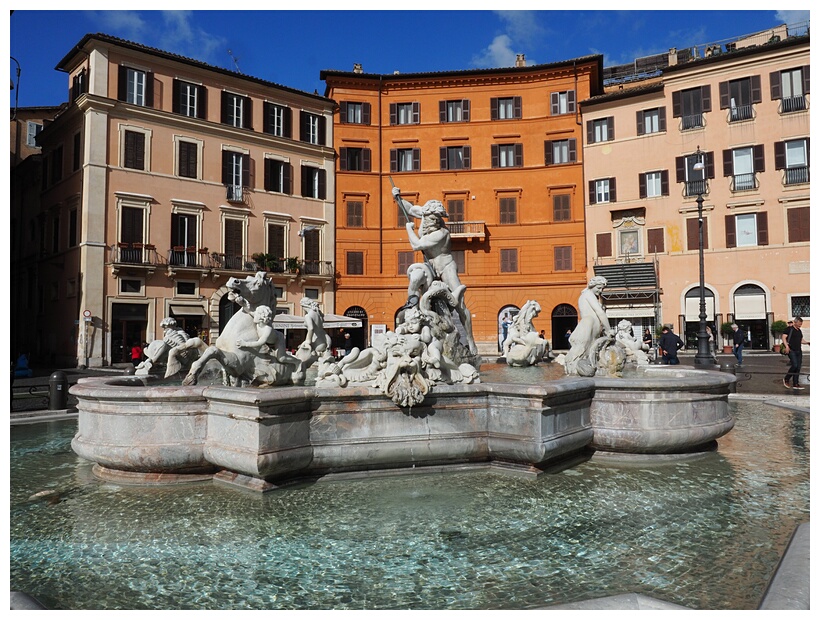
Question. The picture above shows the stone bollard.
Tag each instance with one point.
(57, 390)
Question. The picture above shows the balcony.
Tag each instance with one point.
(740, 113)
(134, 254)
(235, 193)
(319, 268)
(691, 121)
(744, 182)
(466, 230)
(796, 175)
(181, 256)
(693, 188)
(792, 104)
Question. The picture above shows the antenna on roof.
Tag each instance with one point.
(235, 61)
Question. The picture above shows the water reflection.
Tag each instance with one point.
(705, 533)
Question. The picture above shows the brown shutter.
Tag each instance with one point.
(247, 113)
(642, 185)
(517, 109)
(763, 228)
(610, 126)
(288, 123)
(592, 195)
(590, 134)
(731, 233)
(518, 150)
(342, 112)
(122, 83)
(287, 179)
(465, 156)
(706, 98)
(654, 239)
(276, 240)
(416, 112)
(394, 159)
(175, 96)
(322, 184)
(573, 153)
(710, 165)
(233, 238)
(805, 71)
(311, 245)
(603, 244)
(226, 168)
(442, 153)
(442, 114)
(547, 152)
(493, 108)
(202, 102)
(662, 118)
(676, 104)
(798, 221)
(757, 91)
(246, 170)
(268, 171)
(394, 117)
(226, 101)
(664, 182)
(322, 131)
(728, 163)
(267, 116)
(149, 89)
(774, 84)
(723, 95)
(303, 122)
(343, 158)
(416, 160)
(639, 121)
(494, 155)
(759, 160)
(612, 194)
(779, 155)
(692, 233)
(554, 104)
(680, 169)
(365, 160)
(366, 113)
(465, 109)
(570, 101)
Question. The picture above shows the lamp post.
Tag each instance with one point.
(704, 355)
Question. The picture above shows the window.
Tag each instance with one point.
(405, 160)
(562, 102)
(236, 174)
(233, 237)
(278, 175)
(312, 293)
(798, 223)
(503, 108)
(186, 289)
(72, 228)
(601, 191)
(313, 182)
(695, 180)
(563, 257)
(404, 260)
(189, 99)
(76, 153)
(276, 241)
(601, 130)
(507, 155)
(801, 306)
(689, 105)
(458, 257)
(455, 210)
(354, 112)
(507, 208)
(692, 233)
(603, 244)
(454, 111)
(355, 263)
(790, 87)
(188, 157)
(184, 232)
(653, 184)
(236, 110)
(747, 229)
(628, 242)
(276, 120)
(131, 233)
(130, 287)
(654, 240)
(311, 128)
(355, 214)
(401, 217)
(57, 164)
(79, 85)
(509, 260)
(311, 245)
(354, 159)
(738, 96)
(792, 157)
(455, 157)
(651, 121)
(32, 130)
(405, 113)
(559, 152)
(742, 164)
(561, 209)
(136, 86)
(134, 150)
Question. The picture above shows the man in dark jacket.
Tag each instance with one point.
(738, 339)
(793, 342)
(670, 344)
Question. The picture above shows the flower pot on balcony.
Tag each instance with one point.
(727, 348)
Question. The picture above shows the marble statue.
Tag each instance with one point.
(523, 345)
(176, 351)
(635, 348)
(317, 344)
(249, 349)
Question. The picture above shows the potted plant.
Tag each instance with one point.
(292, 264)
(778, 328)
(259, 258)
(727, 331)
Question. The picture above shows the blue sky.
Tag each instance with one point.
(292, 47)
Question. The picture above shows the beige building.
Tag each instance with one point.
(163, 178)
(745, 108)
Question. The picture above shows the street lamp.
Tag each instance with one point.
(703, 357)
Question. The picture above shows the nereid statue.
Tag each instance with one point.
(523, 346)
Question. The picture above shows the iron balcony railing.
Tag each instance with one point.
(744, 182)
(693, 188)
(466, 228)
(235, 193)
(134, 254)
(180, 256)
(740, 113)
(792, 104)
(691, 121)
(796, 175)
(317, 268)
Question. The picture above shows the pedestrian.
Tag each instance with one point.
(647, 338)
(542, 335)
(793, 341)
(348, 343)
(566, 336)
(136, 354)
(670, 343)
(738, 339)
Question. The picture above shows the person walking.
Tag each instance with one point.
(738, 338)
(136, 354)
(793, 341)
(670, 343)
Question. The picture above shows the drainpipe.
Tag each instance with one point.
(381, 175)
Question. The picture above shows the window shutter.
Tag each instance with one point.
(311, 245)
(343, 158)
(763, 228)
(233, 238)
(416, 160)
(779, 155)
(122, 83)
(728, 163)
(603, 244)
(343, 113)
(774, 84)
(570, 101)
(442, 153)
(267, 115)
(465, 156)
(554, 104)
(322, 131)
(639, 121)
(610, 126)
(731, 234)
(664, 182)
(322, 184)
(706, 97)
(130, 150)
(365, 160)
(805, 71)
(642, 185)
(757, 91)
(246, 170)
(175, 96)
(226, 168)
(149, 89)
(305, 182)
(572, 150)
(612, 194)
(662, 118)
(676, 104)
(516, 107)
(493, 108)
(592, 195)
(276, 240)
(710, 165)
(202, 102)
(303, 126)
(692, 233)
(288, 123)
(759, 160)
(287, 179)
(416, 112)
(394, 160)
(226, 100)
(465, 109)
(547, 152)
(798, 222)
(590, 133)
(723, 95)
(394, 116)
(705, 234)
(680, 169)
(518, 149)
(248, 113)
(442, 113)
(654, 239)
(494, 155)
(268, 166)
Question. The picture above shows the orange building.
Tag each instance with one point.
(501, 149)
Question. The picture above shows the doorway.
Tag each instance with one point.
(128, 326)
(564, 318)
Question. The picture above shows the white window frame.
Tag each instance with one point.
(313, 128)
(563, 102)
(135, 201)
(560, 151)
(193, 295)
(404, 160)
(795, 149)
(455, 111)
(282, 221)
(506, 156)
(189, 99)
(355, 111)
(791, 83)
(805, 317)
(404, 113)
(601, 191)
(506, 108)
(653, 184)
(651, 121)
(32, 129)
(278, 121)
(743, 163)
(121, 281)
(135, 86)
(314, 190)
(746, 230)
(600, 130)
(148, 134)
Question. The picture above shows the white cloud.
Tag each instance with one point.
(496, 54)
(181, 35)
(521, 26)
(124, 24)
(792, 17)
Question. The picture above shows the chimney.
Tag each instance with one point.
(519, 60)
(357, 67)
(673, 56)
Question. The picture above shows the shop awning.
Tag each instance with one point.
(188, 310)
(331, 321)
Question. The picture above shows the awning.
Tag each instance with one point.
(188, 310)
(331, 321)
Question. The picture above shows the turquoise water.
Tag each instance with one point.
(706, 533)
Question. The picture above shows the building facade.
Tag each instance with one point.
(500, 149)
(743, 112)
(164, 177)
